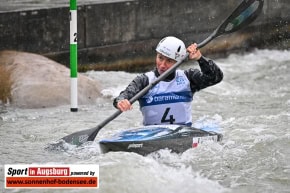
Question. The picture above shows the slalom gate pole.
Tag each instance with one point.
(73, 56)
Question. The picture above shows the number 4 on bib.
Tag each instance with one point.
(165, 116)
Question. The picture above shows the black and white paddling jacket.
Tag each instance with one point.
(169, 102)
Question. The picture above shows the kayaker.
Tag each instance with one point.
(169, 102)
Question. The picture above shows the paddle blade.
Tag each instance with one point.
(80, 137)
(243, 15)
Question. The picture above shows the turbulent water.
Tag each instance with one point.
(251, 105)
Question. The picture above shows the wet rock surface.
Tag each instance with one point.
(39, 82)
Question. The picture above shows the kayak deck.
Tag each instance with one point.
(148, 139)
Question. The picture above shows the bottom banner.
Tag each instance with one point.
(51, 176)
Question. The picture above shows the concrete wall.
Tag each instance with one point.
(132, 28)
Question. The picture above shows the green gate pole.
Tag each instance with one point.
(73, 56)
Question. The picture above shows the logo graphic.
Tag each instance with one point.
(51, 176)
(149, 96)
(149, 99)
(177, 55)
(180, 80)
(201, 140)
(83, 138)
(135, 145)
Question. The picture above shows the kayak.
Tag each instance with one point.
(148, 139)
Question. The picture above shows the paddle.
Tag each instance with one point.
(244, 14)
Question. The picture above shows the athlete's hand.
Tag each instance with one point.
(124, 105)
(193, 51)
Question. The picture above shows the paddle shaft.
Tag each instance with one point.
(142, 92)
(221, 29)
(135, 98)
(218, 31)
(244, 14)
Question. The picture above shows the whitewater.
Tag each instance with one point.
(251, 106)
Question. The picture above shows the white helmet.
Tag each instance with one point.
(172, 47)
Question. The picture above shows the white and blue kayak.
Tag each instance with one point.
(147, 139)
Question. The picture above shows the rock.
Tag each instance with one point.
(39, 82)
